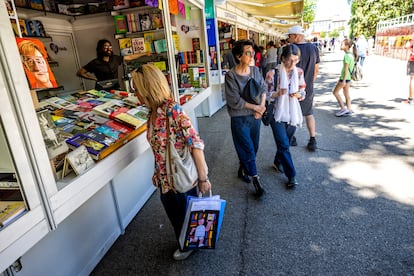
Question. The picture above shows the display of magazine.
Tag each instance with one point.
(93, 146)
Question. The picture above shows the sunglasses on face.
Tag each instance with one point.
(107, 47)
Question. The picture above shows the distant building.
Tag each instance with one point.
(329, 24)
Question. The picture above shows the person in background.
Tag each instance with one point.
(34, 61)
(410, 70)
(288, 114)
(309, 62)
(228, 59)
(152, 89)
(283, 42)
(106, 64)
(245, 117)
(362, 47)
(271, 56)
(344, 82)
(258, 57)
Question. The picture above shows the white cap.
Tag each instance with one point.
(296, 30)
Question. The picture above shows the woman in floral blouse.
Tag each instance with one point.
(152, 90)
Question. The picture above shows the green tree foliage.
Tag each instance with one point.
(367, 13)
(309, 9)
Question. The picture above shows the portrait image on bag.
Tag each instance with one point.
(202, 230)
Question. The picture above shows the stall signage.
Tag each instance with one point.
(209, 8)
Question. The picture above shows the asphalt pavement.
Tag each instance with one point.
(351, 214)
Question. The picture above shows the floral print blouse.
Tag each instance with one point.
(181, 130)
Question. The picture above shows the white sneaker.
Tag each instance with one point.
(181, 255)
(349, 113)
(341, 112)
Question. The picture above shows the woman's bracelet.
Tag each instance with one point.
(203, 180)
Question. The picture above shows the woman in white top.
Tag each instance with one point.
(289, 91)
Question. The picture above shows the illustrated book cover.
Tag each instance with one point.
(80, 160)
(156, 19)
(125, 46)
(120, 22)
(145, 22)
(138, 45)
(34, 59)
(93, 146)
(106, 109)
(55, 142)
(100, 137)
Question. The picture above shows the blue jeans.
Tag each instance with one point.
(175, 205)
(283, 133)
(246, 134)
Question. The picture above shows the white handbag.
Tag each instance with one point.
(182, 170)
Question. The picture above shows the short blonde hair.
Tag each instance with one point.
(151, 85)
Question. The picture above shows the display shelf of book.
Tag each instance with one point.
(137, 34)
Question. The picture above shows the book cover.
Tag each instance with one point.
(129, 22)
(23, 27)
(40, 28)
(195, 41)
(156, 19)
(160, 46)
(93, 146)
(36, 4)
(138, 45)
(120, 4)
(8, 180)
(145, 22)
(15, 27)
(148, 38)
(10, 210)
(139, 112)
(136, 3)
(61, 103)
(20, 3)
(107, 108)
(55, 142)
(80, 160)
(121, 26)
(34, 59)
(100, 137)
(129, 120)
(162, 65)
(61, 121)
(152, 3)
(110, 132)
(32, 28)
(137, 18)
(91, 117)
(125, 46)
(118, 127)
(9, 6)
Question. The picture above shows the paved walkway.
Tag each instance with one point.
(352, 214)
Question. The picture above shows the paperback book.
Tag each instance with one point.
(138, 45)
(93, 146)
(125, 46)
(108, 108)
(79, 160)
(10, 211)
(55, 142)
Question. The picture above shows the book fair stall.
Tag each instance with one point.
(75, 166)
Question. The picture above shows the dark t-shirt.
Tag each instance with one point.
(309, 56)
(104, 70)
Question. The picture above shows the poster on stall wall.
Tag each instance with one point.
(34, 59)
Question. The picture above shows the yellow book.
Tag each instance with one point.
(9, 210)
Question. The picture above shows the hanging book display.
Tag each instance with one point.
(36, 67)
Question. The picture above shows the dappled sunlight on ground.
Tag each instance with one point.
(390, 176)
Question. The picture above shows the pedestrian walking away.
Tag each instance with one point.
(289, 90)
(152, 89)
(344, 81)
(410, 70)
(245, 117)
(309, 62)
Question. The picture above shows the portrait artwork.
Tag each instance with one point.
(34, 59)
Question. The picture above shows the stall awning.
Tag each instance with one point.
(282, 14)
